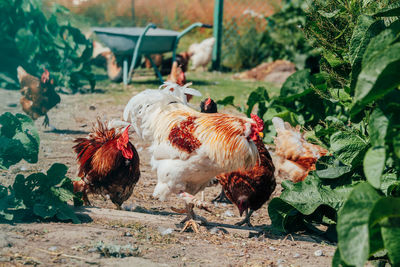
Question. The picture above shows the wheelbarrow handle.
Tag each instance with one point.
(208, 26)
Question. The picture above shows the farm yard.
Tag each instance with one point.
(321, 76)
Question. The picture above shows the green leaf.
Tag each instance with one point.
(391, 11)
(308, 195)
(348, 147)
(283, 216)
(226, 101)
(386, 214)
(377, 127)
(377, 78)
(352, 226)
(260, 97)
(374, 164)
(333, 172)
(365, 29)
(296, 85)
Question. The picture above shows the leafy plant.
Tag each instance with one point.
(247, 46)
(19, 140)
(30, 39)
(39, 194)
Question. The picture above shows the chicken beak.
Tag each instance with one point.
(261, 134)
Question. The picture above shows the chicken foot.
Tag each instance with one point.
(46, 121)
(190, 199)
(221, 198)
(189, 221)
(246, 219)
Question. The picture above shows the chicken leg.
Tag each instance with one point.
(221, 198)
(189, 221)
(46, 121)
(246, 219)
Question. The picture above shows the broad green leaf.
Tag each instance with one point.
(377, 127)
(365, 29)
(333, 172)
(387, 180)
(297, 85)
(283, 216)
(308, 195)
(353, 222)
(56, 173)
(396, 145)
(348, 147)
(386, 214)
(260, 97)
(390, 11)
(378, 77)
(226, 101)
(374, 164)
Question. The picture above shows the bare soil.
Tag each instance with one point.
(148, 228)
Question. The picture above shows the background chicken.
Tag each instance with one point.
(38, 96)
(108, 164)
(200, 54)
(189, 148)
(294, 156)
(249, 190)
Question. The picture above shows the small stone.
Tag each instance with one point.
(53, 248)
(280, 261)
(23, 168)
(272, 248)
(92, 107)
(214, 230)
(228, 213)
(165, 231)
(297, 255)
(127, 234)
(318, 253)
(91, 250)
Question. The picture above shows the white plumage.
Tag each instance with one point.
(200, 54)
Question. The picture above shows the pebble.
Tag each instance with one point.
(297, 255)
(128, 234)
(214, 230)
(165, 231)
(53, 248)
(23, 168)
(318, 253)
(272, 248)
(228, 213)
(280, 261)
(91, 250)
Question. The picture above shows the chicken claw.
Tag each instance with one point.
(190, 199)
(246, 220)
(191, 223)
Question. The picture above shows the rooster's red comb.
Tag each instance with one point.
(45, 76)
(259, 122)
(208, 101)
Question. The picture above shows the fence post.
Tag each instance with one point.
(218, 15)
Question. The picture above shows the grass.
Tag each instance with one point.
(216, 85)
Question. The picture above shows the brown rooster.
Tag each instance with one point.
(108, 164)
(38, 96)
(249, 190)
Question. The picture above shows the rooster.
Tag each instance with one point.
(108, 164)
(200, 54)
(295, 157)
(38, 96)
(189, 148)
(249, 190)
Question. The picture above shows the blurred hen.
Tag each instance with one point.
(38, 96)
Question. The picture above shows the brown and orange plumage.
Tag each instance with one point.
(108, 164)
(295, 157)
(38, 96)
(250, 189)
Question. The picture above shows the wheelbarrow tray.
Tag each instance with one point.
(122, 40)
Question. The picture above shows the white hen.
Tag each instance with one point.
(189, 148)
(200, 54)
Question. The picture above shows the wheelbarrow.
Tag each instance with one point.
(136, 41)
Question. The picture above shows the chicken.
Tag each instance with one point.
(209, 106)
(249, 190)
(295, 157)
(108, 164)
(189, 148)
(177, 75)
(38, 96)
(200, 54)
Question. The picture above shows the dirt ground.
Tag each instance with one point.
(147, 232)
